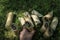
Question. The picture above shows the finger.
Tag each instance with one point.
(32, 31)
(23, 31)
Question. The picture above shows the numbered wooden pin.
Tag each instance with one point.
(28, 18)
(54, 23)
(34, 12)
(45, 25)
(22, 21)
(9, 19)
(36, 19)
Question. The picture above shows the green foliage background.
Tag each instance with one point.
(42, 6)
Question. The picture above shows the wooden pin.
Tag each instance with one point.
(9, 20)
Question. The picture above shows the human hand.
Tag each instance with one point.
(26, 35)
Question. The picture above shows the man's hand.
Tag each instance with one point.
(26, 35)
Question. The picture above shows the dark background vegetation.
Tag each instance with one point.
(42, 6)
